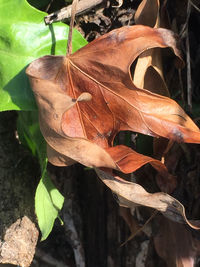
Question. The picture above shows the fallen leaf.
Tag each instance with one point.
(71, 126)
(86, 98)
(131, 194)
(147, 13)
(148, 72)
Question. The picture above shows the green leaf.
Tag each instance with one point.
(29, 134)
(48, 202)
(23, 38)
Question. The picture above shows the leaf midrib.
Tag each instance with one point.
(107, 88)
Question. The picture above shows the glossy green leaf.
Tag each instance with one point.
(48, 200)
(23, 38)
(30, 135)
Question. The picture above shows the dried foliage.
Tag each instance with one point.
(86, 98)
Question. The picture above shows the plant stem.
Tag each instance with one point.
(73, 13)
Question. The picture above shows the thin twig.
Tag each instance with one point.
(50, 3)
(184, 28)
(65, 12)
(194, 6)
(141, 228)
(69, 42)
(189, 78)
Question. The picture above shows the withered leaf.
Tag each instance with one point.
(86, 98)
(131, 194)
(83, 129)
(148, 72)
(147, 13)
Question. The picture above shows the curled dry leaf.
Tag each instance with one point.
(147, 13)
(148, 72)
(131, 194)
(86, 98)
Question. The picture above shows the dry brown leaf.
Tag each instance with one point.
(147, 13)
(148, 72)
(86, 98)
(149, 75)
(131, 194)
(74, 127)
